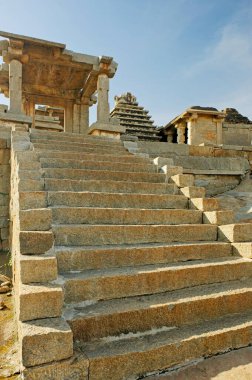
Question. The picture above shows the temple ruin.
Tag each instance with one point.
(127, 261)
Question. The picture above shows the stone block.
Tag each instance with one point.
(45, 341)
(106, 130)
(4, 211)
(4, 199)
(205, 151)
(171, 171)
(218, 217)
(35, 242)
(5, 184)
(5, 245)
(29, 165)
(3, 143)
(242, 249)
(35, 219)
(183, 180)
(39, 301)
(76, 235)
(204, 204)
(38, 269)
(193, 191)
(75, 368)
(30, 174)
(32, 199)
(31, 185)
(239, 232)
(161, 161)
(4, 156)
(4, 222)
(4, 233)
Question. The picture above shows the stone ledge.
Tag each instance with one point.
(16, 118)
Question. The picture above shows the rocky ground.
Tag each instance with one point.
(230, 366)
(240, 200)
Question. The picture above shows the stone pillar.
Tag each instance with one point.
(191, 125)
(80, 118)
(170, 137)
(76, 118)
(68, 117)
(103, 103)
(219, 131)
(181, 134)
(84, 118)
(15, 86)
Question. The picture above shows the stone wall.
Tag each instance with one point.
(237, 134)
(204, 130)
(217, 168)
(5, 133)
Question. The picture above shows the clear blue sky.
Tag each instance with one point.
(171, 53)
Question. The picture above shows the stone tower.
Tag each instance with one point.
(134, 118)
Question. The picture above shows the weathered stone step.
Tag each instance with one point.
(83, 174)
(99, 257)
(97, 165)
(110, 186)
(236, 232)
(93, 157)
(91, 215)
(71, 137)
(81, 234)
(85, 148)
(151, 279)
(117, 200)
(113, 359)
(44, 341)
(80, 144)
(177, 308)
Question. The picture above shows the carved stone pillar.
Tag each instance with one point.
(103, 103)
(15, 86)
(181, 134)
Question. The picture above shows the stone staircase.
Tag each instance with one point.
(121, 271)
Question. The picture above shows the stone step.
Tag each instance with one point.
(117, 200)
(82, 174)
(71, 137)
(204, 204)
(109, 186)
(151, 279)
(39, 301)
(44, 341)
(81, 234)
(80, 144)
(136, 356)
(98, 257)
(96, 165)
(124, 158)
(93, 215)
(177, 308)
(85, 148)
(235, 232)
